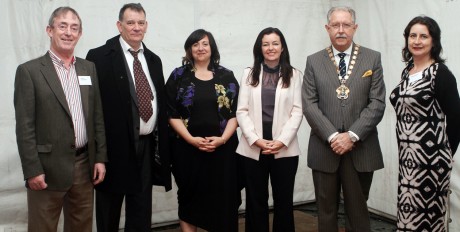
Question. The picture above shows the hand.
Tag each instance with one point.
(341, 143)
(275, 146)
(268, 146)
(37, 182)
(215, 141)
(262, 143)
(99, 173)
(202, 143)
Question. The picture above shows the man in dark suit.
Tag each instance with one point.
(136, 124)
(343, 100)
(60, 130)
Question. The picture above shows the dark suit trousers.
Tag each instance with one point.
(282, 175)
(355, 186)
(45, 206)
(138, 206)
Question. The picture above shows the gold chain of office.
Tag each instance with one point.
(343, 91)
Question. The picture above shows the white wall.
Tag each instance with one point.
(235, 25)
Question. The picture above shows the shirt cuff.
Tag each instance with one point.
(332, 136)
(354, 137)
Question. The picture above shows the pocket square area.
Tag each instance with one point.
(368, 73)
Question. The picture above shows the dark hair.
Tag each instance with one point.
(435, 33)
(193, 38)
(63, 10)
(285, 65)
(132, 6)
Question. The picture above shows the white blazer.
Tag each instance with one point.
(286, 119)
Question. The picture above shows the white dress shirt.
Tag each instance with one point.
(145, 127)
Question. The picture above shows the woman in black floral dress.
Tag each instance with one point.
(427, 107)
(202, 98)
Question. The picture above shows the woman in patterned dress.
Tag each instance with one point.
(427, 106)
(202, 98)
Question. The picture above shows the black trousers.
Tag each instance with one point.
(138, 206)
(282, 176)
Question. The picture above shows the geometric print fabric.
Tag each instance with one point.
(425, 159)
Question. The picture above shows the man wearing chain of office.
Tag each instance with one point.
(343, 96)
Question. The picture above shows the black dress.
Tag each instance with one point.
(208, 192)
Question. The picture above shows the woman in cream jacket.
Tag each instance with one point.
(269, 114)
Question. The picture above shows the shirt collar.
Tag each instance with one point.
(347, 51)
(125, 46)
(59, 61)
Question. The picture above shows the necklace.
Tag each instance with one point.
(343, 91)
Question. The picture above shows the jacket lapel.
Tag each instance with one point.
(355, 65)
(257, 101)
(277, 110)
(123, 81)
(331, 69)
(84, 89)
(150, 66)
(49, 73)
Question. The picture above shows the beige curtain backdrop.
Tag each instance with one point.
(235, 24)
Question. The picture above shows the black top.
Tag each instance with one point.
(204, 114)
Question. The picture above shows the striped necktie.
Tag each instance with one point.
(342, 66)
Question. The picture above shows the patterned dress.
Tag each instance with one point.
(426, 146)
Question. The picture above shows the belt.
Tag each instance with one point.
(81, 150)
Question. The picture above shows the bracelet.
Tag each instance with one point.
(223, 140)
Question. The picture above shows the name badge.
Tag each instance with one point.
(84, 80)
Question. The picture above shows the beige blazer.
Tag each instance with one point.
(286, 119)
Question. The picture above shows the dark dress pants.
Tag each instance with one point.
(282, 175)
(355, 186)
(138, 206)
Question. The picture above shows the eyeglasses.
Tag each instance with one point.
(64, 27)
(345, 26)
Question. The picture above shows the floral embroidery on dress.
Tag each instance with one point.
(184, 96)
(178, 72)
(222, 99)
(224, 103)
